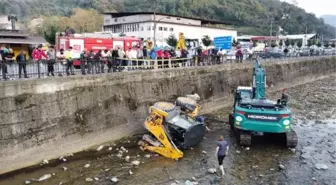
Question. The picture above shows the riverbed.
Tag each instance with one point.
(267, 161)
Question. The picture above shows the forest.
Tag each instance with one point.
(248, 16)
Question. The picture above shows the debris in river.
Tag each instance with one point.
(281, 167)
(64, 168)
(321, 166)
(87, 165)
(147, 156)
(88, 179)
(127, 158)
(114, 179)
(96, 179)
(44, 177)
(212, 170)
(130, 172)
(45, 161)
(110, 148)
(27, 182)
(100, 148)
(136, 163)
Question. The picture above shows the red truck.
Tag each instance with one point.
(93, 42)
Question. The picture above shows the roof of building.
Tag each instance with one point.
(28, 40)
(203, 21)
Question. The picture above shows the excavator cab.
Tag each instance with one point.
(170, 131)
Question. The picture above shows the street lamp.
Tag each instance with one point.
(155, 23)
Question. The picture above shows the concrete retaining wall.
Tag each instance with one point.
(47, 118)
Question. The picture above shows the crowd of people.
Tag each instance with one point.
(118, 59)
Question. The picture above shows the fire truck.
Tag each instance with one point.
(93, 41)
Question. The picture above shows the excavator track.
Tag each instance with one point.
(292, 139)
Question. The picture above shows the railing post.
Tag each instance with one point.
(169, 63)
(155, 64)
(38, 69)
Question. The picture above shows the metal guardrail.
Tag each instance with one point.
(44, 68)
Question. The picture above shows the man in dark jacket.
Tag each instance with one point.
(90, 61)
(82, 58)
(3, 62)
(115, 61)
(21, 59)
(97, 61)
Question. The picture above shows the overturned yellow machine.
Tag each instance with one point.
(173, 128)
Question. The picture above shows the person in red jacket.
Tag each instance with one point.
(37, 55)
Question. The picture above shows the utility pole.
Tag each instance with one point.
(271, 28)
(154, 23)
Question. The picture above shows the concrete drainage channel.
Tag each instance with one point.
(258, 164)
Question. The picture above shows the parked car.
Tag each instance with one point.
(273, 53)
(304, 52)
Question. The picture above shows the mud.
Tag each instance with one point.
(314, 108)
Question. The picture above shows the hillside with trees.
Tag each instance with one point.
(248, 16)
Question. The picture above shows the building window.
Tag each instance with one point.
(133, 28)
(165, 29)
(160, 28)
(142, 29)
(171, 29)
(116, 20)
(149, 28)
(153, 28)
(178, 18)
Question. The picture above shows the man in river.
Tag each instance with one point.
(221, 151)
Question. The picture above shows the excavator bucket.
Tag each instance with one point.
(170, 132)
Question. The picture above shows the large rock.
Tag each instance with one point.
(212, 170)
(320, 166)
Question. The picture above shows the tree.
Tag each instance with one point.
(281, 43)
(50, 34)
(292, 42)
(287, 43)
(171, 40)
(299, 44)
(86, 20)
(234, 42)
(122, 34)
(319, 44)
(206, 41)
(333, 45)
(309, 43)
(326, 45)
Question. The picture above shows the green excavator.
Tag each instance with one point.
(254, 114)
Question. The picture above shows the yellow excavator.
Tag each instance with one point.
(173, 128)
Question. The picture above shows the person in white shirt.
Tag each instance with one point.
(129, 57)
(134, 56)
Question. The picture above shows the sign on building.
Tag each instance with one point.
(223, 42)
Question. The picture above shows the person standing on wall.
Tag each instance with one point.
(90, 62)
(21, 59)
(51, 60)
(3, 62)
(37, 56)
(10, 57)
(82, 58)
(221, 151)
(68, 58)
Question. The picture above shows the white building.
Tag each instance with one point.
(141, 25)
(5, 23)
